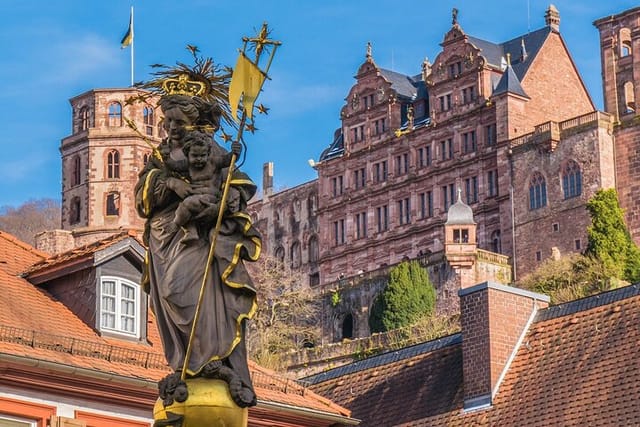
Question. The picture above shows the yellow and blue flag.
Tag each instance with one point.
(128, 37)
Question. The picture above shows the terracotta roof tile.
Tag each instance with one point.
(16, 256)
(34, 325)
(578, 365)
(79, 253)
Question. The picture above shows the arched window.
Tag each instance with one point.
(84, 118)
(149, 120)
(625, 42)
(112, 204)
(537, 191)
(113, 164)
(496, 245)
(145, 158)
(115, 114)
(74, 210)
(571, 180)
(76, 175)
(347, 326)
(279, 254)
(296, 255)
(629, 98)
(314, 253)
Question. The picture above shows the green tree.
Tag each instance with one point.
(409, 296)
(609, 239)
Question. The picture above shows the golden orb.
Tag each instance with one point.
(209, 405)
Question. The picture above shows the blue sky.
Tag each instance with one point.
(52, 51)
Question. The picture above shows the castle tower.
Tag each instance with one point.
(619, 46)
(460, 241)
(101, 160)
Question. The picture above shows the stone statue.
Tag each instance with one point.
(198, 237)
(177, 256)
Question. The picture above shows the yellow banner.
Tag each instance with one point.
(246, 81)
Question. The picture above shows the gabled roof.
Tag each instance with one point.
(16, 255)
(90, 254)
(37, 330)
(495, 53)
(577, 365)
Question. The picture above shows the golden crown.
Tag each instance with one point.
(183, 86)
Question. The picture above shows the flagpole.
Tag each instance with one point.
(132, 44)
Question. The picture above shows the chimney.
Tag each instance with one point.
(552, 18)
(267, 180)
(494, 320)
(55, 241)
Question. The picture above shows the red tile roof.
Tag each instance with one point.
(33, 325)
(579, 365)
(15, 255)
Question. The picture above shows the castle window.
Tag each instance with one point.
(337, 185)
(471, 187)
(314, 252)
(424, 156)
(469, 141)
(361, 225)
(314, 279)
(279, 254)
(115, 114)
(119, 310)
(402, 164)
(113, 164)
(148, 119)
(578, 244)
(84, 118)
(74, 210)
(113, 204)
(382, 218)
(496, 245)
(359, 178)
(537, 192)
(445, 102)
(76, 175)
(312, 204)
(380, 171)
(446, 149)
(571, 180)
(629, 98)
(492, 180)
(338, 232)
(404, 211)
(455, 69)
(426, 205)
(461, 235)
(145, 158)
(296, 255)
(468, 94)
(490, 134)
(358, 133)
(538, 256)
(448, 195)
(379, 126)
(625, 42)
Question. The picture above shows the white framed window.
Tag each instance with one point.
(9, 421)
(119, 306)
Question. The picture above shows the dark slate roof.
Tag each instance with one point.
(509, 83)
(494, 52)
(404, 85)
(336, 149)
(577, 365)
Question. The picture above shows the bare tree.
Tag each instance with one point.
(30, 218)
(287, 316)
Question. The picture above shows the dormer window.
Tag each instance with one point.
(455, 69)
(119, 306)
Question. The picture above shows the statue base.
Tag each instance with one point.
(209, 405)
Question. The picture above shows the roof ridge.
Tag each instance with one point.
(386, 358)
(24, 245)
(588, 303)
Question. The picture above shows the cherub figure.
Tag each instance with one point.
(205, 176)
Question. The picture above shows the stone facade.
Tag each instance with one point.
(620, 45)
(101, 160)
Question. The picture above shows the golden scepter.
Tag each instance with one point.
(246, 81)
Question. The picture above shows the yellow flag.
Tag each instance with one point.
(128, 37)
(246, 81)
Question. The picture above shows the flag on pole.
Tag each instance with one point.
(246, 81)
(128, 37)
